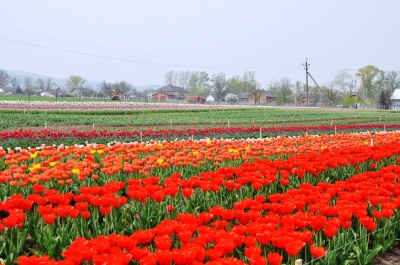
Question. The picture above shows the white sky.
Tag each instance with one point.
(150, 37)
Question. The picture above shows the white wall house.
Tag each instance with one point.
(46, 93)
(209, 98)
(395, 99)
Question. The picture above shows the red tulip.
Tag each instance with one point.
(274, 258)
(317, 252)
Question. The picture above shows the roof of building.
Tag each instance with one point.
(396, 94)
(243, 95)
(170, 90)
(266, 93)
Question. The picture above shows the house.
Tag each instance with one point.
(7, 90)
(169, 93)
(210, 98)
(395, 99)
(262, 96)
(243, 97)
(84, 92)
(57, 92)
(138, 96)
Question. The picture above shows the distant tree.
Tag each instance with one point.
(235, 84)
(384, 99)
(298, 87)
(348, 100)
(49, 84)
(298, 91)
(40, 84)
(380, 81)
(14, 83)
(249, 81)
(183, 79)
(123, 88)
(106, 88)
(368, 75)
(170, 78)
(315, 95)
(29, 88)
(392, 80)
(193, 82)
(203, 79)
(4, 78)
(75, 83)
(284, 93)
(343, 81)
(219, 85)
(273, 86)
(331, 95)
(18, 90)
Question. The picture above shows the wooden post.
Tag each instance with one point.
(141, 137)
(260, 133)
(331, 122)
(335, 129)
(171, 121)
(380, 118)
(298, 262)
(384, 127)
(372, 139)
(93, 126)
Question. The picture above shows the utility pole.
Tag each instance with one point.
(306, 68)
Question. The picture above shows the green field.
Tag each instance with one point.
(23, 119)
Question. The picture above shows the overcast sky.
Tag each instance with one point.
(139, 41)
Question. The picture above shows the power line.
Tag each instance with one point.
(138, 61)
(141, 53)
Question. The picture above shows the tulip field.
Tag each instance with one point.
(200, 193)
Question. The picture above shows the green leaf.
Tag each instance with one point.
(36, 252)
(373, 253)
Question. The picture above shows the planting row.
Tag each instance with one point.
(237, 117)
(24, 138)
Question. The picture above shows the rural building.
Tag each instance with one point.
(85, 92)
(210, 98)
(395, 99)
(169, 93)
(262, 96)
(53, 93)
(243, 97)
(138, 96)
(7, 90)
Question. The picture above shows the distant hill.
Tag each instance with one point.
(61, 81)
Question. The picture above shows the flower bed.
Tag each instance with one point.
(23, 138)
(201, 201)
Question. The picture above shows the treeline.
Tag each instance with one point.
(370, 85)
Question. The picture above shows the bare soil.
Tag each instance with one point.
(390, 257)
